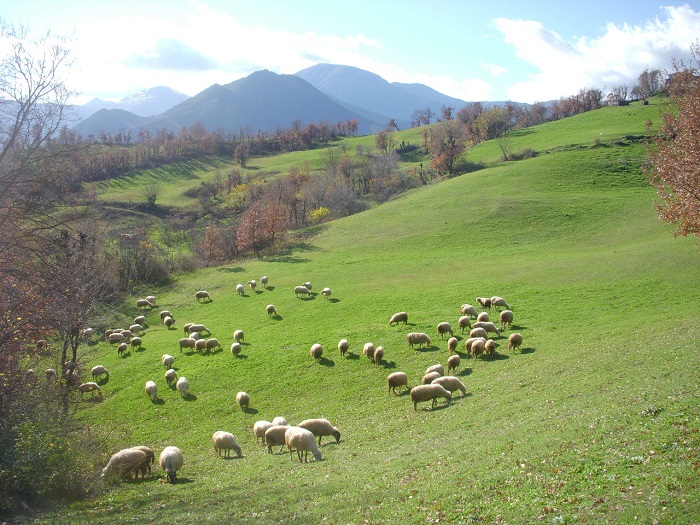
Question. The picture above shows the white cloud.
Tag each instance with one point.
(561, 68)
(494, 69)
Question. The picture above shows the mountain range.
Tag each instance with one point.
(267, 101)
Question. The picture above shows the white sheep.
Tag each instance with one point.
(264, 280)
(429, 392)
(343, 347)
(166, 313)
(199, 328)
(145, 467)
(368, 350)
(514, 341)
(303, 441)
(183, 386)
(397, 379)
(499, 302)
(91, 387)
(399, 317)
(259, 429)
(243, 400)
(326, 292)
(51, 375)
(320, 428)
(478, 346)
(122, 347)
(239, 336)
(200, 344)
(227, 442)
(186, 327)
(506, 319)
(151, 299)
(140, 319)
(429, 377)
(417, 338)
(274, 436)
(213, 343)
(464, 322)
(478, 332)
(98, 371)
(484, 302)
(170, 460)
(488, 326)
(301, 290)
(123, 463)
(444, 328)
(452, 343)
(451, 383)
(152, 390)
(170, 375)
(490, 347)
(236, 349)
(378, 355)
(168, 321)
(469, 310)
(202, 294)
(135, 328)
(115, 337)
(453, 363)
(307, 285)
(270, 309)
(482, 317)
(167, 360)
(436, 368)
(86, 333)
(195, 336)
(316, 351)
(252, 284)
(187, 342)
(143, 303)
(240, 289)
(136, 342)
(279, 420)
(127, 334)
(468, 344)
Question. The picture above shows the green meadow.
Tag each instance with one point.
(594, 420)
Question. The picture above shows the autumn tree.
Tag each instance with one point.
(649, 83)
(674, 153)
(447, 143)
(261, 225)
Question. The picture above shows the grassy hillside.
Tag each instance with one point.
(594, 421)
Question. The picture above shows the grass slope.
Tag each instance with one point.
(595, 421)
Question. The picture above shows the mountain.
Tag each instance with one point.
(369, 93)
(145, 103)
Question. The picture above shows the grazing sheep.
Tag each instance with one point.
(213, 343)
(98, 371)
(186, 328)
(85, 333)
(307, 285)
(170, 375)
(326, 292)
(259, 429)
(464, 322)
(252, 284)
(115, 337)
(490, 347)
(274, 436)
(279, 420)
(239, 336)
(478, 346)
(488, 326)
(227, 442)
(167, 360)
(451, 383)
(91, 387)
(514, 341)
(136, 341)
(200, 328)
(483, 316)
(150, 459)
(484, 302)
(264, 280)
(168, 321)
(469, 342)
(506, 319)
(429, 376)
(368, 350)
(243, 400)
(301, 290)
(444, 328)
(127, 334)
(469, 310)
(378, 355)
(270, 309)
(166, 313)
(152, 390)
(452, 343)
(316, 351)
(200, 344)
(397, 379)
(429, 392)
(143, 303)
(478, 332)
(140, 319)
(123, 463)
(151, 299)
(499, 302)
(51, 375)
(202, 294)
(399, 317)
(135, 328)
(418, 338)
(240, 289)
(303, 441)
(123, 347)
(436, 368)
(453, 363)
(343, 347)
(186, 342)
(236, 349)
(183, 386)
(320, 428)
(195, 336)
(170, 460)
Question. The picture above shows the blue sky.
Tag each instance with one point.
(518, 50)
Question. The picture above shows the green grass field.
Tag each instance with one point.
(594, 421)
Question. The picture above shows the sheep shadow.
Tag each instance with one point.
(276, 317)
(189, 397)
(430, 348)
(159, 401)
(528, 350)
(229, 458)
(309, 298)
(334, 300)
(241, 356)
(258, 292)
(97, 398)
(103, 381)
(326, 362)
(403, 393)
(439, 406)
(388, 364)
(351, 356)
(465, 372)
(140, 349)
(495, 357)
(249, 410)
(270, 288)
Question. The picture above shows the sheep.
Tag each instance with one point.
(270, 309)
(506, 319)
(170, 460)
(213, 343)
(444, 328)
(195, 336)
(514, 341)
(135, 328)
(151, 299)
(140, 319)
(264, 280)
(252, 284)
(91, 387)
(279, 420)
(499, 302)
(436, 368)
(429, 392)
(398, 317)
(397, 379)
(202, 294)
(326, 292)
(98, 371)
(484, 302)
(320, 428)
(109, 332)
(186, 327)
(452, 343)
(274, 436)
(451, 383)
(478, 346)
(200, 328)
(464, 322)
(488, 326)
(123, 347)
(483, 316)
(152, 390)
(186, 342)
(227, 442)
(316, 351)
(490, 347)
(259, 429)
(235, 349)
(31, 375)
(378, 355)
(303, 441)
(183, 386)
(143, 303)
(368, 350)
(170, 375)
(307, 285)
(51, 375)
(478, 332)
(240, 289)
(429, 376)
(418, 338)
(469, 343)
(144, 466)
(123, 463)
(86, 334)
(200, 344)
(343, 347)
(127, 334)
(115, 337)
(453, 363)
(239, 336)
(168, 321)
(243, 400)
(167, 360)
(469, 310)
(166, 313)
(136, 341)
(301, 290)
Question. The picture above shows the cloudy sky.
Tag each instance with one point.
(520, 50)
